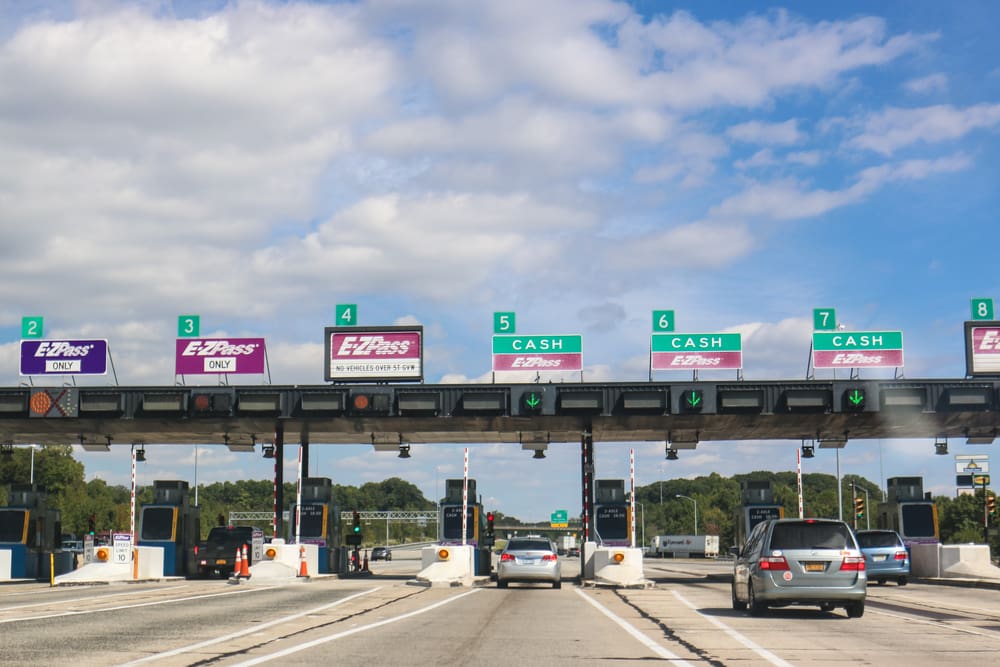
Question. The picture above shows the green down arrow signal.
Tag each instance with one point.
(856, 397)
(532, 401)
(693, 399)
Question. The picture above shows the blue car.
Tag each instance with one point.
(886, 557)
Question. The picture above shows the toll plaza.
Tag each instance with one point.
(29, 536)
(450, 524)
(171, 523)
(319, 524)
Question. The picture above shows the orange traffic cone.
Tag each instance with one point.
(239, 564)
(245, 567)
(303, 567)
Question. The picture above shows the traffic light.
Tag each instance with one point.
(854, 400)
(489, 524)
(92, 524)
(357, 523)
(531, 403)
(692, 400)
(991, 505)
(859, 507)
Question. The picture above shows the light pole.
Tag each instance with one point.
(695, 511)
(32, 479)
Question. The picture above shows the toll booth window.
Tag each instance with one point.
(157, 524)
(918, 520)
(451, 524)
(12, 526)
(311, 521)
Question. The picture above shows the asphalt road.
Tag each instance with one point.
(685, 618)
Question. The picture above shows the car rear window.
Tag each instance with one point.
(869, 540)
(529, 545)
(811, 536)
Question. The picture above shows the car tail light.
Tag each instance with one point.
(196, 550)
(506, 557)
(901, 555)
(549, 557)
(853, 564)
(774, 563)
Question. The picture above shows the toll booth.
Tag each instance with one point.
(171, 523)
(612, 514)
(319, 524)
(909, 511)
(450, 523)
(756, 505)
(30, 532)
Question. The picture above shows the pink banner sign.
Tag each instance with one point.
(572, 361)
(206, 356)
(371, 354)
(701, 361)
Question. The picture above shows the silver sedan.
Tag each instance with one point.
(529, 560)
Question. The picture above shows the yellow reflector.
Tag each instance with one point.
(271, 553)
(102, 554)
(618, 557)
(443, 554)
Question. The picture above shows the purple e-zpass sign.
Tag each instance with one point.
(201, 356)
(61, 357)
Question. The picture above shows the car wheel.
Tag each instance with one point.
(855, 610)
(826, 606)
(501, 583)
(737, 605)
(557, 584)
(388, 557)
(880, 581)
(901, 581)
(756, 608)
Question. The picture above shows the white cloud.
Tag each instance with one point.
(774, 134)
(894, 128)
(932, 83)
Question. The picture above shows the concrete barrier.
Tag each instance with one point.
(619, 566)
(968, 561)
(286, 563)
(446, 566)
(147, 564)
(4, 564)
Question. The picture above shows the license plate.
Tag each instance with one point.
(879, 557)
(814, 567)
(220, 561)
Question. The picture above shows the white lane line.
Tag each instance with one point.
(742, 639)
(247, 631)
(933, 624)
(346, 633)
(649, 643)
(137, 605)
(93, 597)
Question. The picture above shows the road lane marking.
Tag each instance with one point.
(347, 633)
(649, 643)
(742, 639)
(126, 606)
(91, 598)
(256, 628)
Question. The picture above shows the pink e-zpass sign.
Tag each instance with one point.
(204, 356)
(360, 354)
(982, 348)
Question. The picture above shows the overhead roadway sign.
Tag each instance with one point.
(982, 348)
(857, 349)
(538, 353)
(696, 351)
(369, 354)
(64, 357)
(206, 356)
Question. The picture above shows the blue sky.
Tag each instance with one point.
(581, 163)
